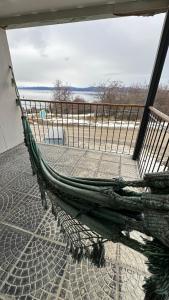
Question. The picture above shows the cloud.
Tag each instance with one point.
(87, 52)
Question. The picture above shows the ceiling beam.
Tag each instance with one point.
(127, 8)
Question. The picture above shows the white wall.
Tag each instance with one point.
(10, 119)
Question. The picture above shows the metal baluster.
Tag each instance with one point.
(159, 149)
(120, 129)
(129, 116)
(101, 128)
(107, 133)
(114, 128)
(155, 141)
(95, 125)
(47, 123)
(89, 125)
(135, 122)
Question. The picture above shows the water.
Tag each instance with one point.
(48, 95)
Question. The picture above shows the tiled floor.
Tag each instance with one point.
(34, 263)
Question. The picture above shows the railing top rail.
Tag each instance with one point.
(85, 103)
(158, 113)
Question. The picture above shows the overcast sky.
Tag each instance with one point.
(87, 53)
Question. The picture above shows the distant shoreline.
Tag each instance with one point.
(48, 88)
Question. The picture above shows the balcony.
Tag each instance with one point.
(77, 139)
(98, 142)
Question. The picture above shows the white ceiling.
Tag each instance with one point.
(23, 13)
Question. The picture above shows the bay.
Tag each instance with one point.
(48, 95)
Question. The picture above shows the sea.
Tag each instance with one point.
(48, 95)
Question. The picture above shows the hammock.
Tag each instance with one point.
(92, 211)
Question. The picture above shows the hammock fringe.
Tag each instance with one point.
(95, 252)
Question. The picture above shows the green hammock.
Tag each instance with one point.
(92, 211)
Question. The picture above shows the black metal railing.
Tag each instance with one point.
(154, 155)
(93, 126)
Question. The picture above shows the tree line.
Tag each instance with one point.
(113, 92)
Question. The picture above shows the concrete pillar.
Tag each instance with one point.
(10, 118)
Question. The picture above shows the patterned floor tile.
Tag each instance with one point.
(8, 200)
(83, 281)
(52, 153)
(105, 175)
(12, 243)
(111, 168)
(62, 169)
(49, 229)
(126, 159)
(83, 172)
(37, 274)
(115, 281)
(23, 182)
(10, 155)
(34, 191)
(93, 155)
(110, 157)
(129, 171)
(8, 174)
(27, 214)
(88, 163)
(68, 160)
(130, 284)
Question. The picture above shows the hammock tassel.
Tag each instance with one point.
(98, 254)
(53, 211)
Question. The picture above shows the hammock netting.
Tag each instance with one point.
(91, 211)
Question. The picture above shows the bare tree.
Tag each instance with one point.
(61, 95)
(109, 92)
(162, 99)
(61, 92)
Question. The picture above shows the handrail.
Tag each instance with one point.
(94, 126)
(158, 113)
(154, 155)
(85, 103)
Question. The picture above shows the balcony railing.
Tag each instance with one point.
(154, 156)
(94, 126)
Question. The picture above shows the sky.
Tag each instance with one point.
(87, 53)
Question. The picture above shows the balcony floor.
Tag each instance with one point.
(34, 263)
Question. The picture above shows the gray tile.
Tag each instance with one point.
(27, 214)
(83, 172)
(67, 159)
(62, 169)
(111, 157)
(38, 272)
(108, 167)
(75, 151)
(49, 228)
(8, 200)
(93, 154)
(130, 286)
(52, 153)
(87, 282)
(8, 174)
(129, 171)
(88, 163)
(105, 175)
(12, 243)
(23, 182)
(126, 159)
